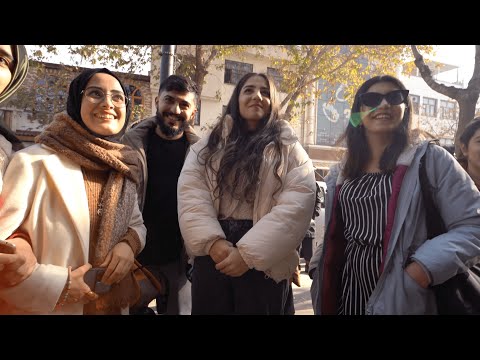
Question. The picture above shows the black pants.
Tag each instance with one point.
(252, 293)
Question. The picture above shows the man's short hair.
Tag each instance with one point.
(180, 84)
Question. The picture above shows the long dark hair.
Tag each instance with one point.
(242, 150)
(466, 136)
(358, 152)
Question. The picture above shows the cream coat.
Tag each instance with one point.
(5, 154)
(280, 221)
(45, 197)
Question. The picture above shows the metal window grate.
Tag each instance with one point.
(235, 70)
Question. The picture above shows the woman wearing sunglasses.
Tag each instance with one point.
(73, 194)
(376, 258)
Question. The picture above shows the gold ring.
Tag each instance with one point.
(74, 300)
(91, 295)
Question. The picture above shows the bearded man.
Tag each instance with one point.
(162, 142)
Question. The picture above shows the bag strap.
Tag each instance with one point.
(162, 288)
(433, 218)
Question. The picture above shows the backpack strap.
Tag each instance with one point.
(435, 224)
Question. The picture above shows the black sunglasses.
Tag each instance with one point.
(373, 99)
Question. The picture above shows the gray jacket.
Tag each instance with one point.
(458, 201)
(137, 137)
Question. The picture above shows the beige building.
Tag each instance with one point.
(223, 74)
(220, 82)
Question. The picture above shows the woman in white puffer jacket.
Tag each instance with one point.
(245, 199)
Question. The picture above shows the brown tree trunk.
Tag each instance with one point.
(467, 104)
(200, 71)
(466, 98)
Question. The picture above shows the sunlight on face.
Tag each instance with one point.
(6, 66)
(472, 151)
(103, 118)
(254, 101)
(175, 111)
(385, 118)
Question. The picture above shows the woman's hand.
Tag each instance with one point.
(220, 250)
(233, 264)
(118, 262)
(416, 272)
(79, 290)
(14, 268)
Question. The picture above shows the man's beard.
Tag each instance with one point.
(168, 130)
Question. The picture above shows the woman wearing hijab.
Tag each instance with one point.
(13, 71)
(74, 195)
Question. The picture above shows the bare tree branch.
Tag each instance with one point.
(426, 74)
(474, 82)
(466, 98)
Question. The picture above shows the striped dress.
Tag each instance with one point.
(363, 203)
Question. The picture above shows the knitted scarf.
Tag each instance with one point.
(70, 139)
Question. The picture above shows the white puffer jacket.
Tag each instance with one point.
(280, 221)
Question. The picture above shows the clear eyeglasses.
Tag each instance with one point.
(96, 96)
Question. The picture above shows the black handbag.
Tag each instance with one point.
(459, 295)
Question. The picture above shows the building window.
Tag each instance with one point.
(235, 70)
(448, 110)
(429, 107)
(415, 103)
(276, 76)
(136, 96)
(137, 102)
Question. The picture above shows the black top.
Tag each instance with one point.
(165, 160)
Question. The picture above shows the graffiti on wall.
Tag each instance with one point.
(332, 117)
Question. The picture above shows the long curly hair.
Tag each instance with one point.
(358, 152)
(242, 149)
